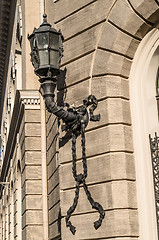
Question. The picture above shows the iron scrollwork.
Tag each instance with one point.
(154, 145)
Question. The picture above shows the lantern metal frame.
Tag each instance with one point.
(48, 40)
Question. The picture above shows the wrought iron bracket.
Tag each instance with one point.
(154, 146)
(78, 127)
(75, 120)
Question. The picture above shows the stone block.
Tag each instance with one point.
(33, 143)
(31, 172)
(51, 126)
(131, 22)
(51, 149)
(32, 233)
(52, 136)
(110, 86)
(31, 187)
(31, 217)
(147, 8)
(111, 195)
(85, 18)
(81, 45)
(104, 168)
(32, 202)
(55, 230)
(78, 70)
(117, 41)
(111, 138)
(110, 63)
(101, 109)
(32, 129)
(48, 115)
(63, 8)
(54, 213)
(32, 158)
(77, 93)
(53, 181)
(118, 111)
(52, 166)
(112, 110)
(116, 223)
(54, 197)
(32, 116)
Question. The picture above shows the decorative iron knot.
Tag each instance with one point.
(78, 127)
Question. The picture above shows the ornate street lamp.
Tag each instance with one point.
(46, 53)
(46, 49)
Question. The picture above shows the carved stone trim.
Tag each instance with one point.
(30, 99)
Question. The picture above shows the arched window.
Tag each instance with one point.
(145, 121)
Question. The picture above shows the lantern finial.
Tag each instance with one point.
(44, 17)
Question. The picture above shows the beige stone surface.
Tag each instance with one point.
(53, 181)
(31, 19)
(51, 125)
(52, 165)
(110, 226)
(32, 116)
(112, 110)
(116, 137)
(110, 86)
(63, 8)
(32, 202)
(77, 93)
(31, 172)
(31, 217)
(31, 187)
(78, 70)
(111, 195)
(33, 143)
(115, 40)
(32, 129)
(33, 157)
(54, 230)
(32, 233)
(54, 197)
(149, 9)
(110, 63)
(104, 168)
(131, 22)
(52, 138)
(51, 151)
(85, 18)
(82, 44)
(54, 213)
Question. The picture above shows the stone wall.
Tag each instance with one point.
(22, 195)
(101, 38)
(30, 142)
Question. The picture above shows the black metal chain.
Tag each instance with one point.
(81, 179)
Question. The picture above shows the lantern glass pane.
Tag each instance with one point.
(43, 40)
(44, 57)
(32, 43)
(54, 58)
(54, 41)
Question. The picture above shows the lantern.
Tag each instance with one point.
(46, 49)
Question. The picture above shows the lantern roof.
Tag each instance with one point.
(44, 27)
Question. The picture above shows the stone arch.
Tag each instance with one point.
(121, 36)
(145, 121)
(117, 46)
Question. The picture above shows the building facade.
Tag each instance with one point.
(111, 51)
